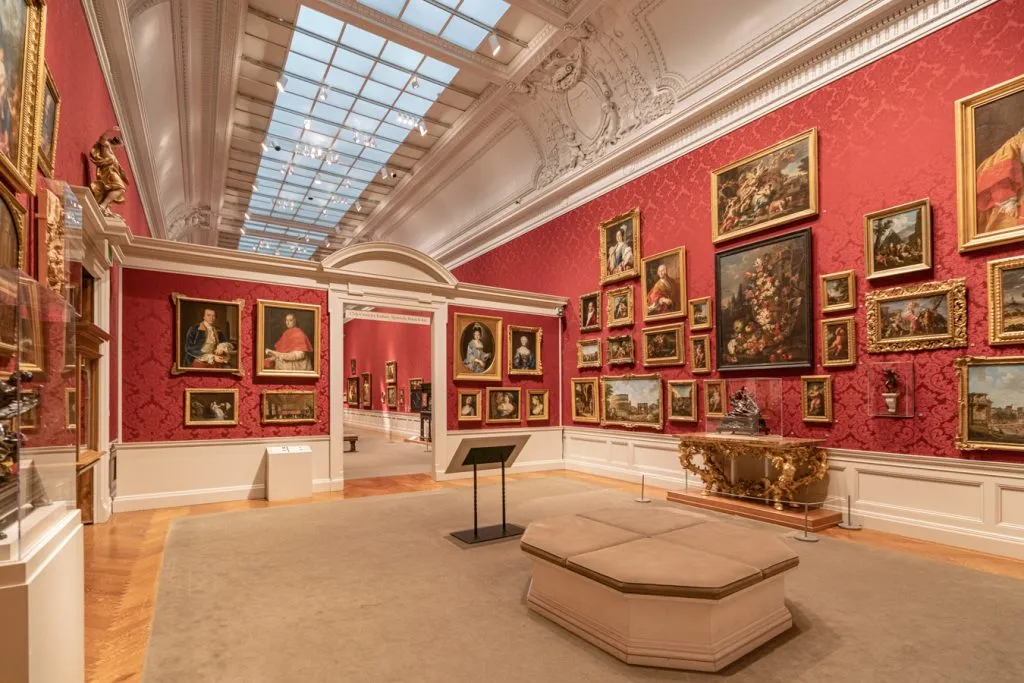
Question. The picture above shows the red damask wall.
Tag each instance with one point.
(113, 350)
(154, 399)
(549, 362)
(886, 135)
(371, 343)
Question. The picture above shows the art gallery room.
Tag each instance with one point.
(511, 340)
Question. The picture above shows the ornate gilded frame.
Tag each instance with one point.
(30, 301)
(46, 164)
(366, 390)
(391, 396)
(580, 363)
(597, 309)
(508, 420)
(536, 418)
(693, 399)
(700, 369)
(20, 171)
(680, 254)
(925, 207)
(851, 342)
(391, 372)
(964, 393)
(210, 423)
(997, 336)
(826, 381)
(596, 389)
(720, 383)
(493, 325)
(955, 291)
(70, 416)
(29, 421)
(812, 210)
(851, 284)
(626, 321)
(18, 217)
(352, 397)
(691, 308)
(479, 400)
(510, 333)
(176, 368)
(966, 169)
(261, 306)
(281, 421)
(605, 422)
(620, 361)
(633, 215)
(677, 359)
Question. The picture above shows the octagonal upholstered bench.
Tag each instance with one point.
(660, 587)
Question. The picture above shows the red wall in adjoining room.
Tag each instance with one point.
(153, 399)
(886, 137)
(549, 364)
(113, 350)
(372, 343)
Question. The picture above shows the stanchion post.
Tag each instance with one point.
(642, 498)
(848, 522)
(805, 535)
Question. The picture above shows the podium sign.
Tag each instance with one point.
(487, 453)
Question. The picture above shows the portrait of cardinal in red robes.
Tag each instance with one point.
(292, 352)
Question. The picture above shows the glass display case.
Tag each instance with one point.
(765, 392)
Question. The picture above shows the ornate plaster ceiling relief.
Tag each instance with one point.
(186, 223)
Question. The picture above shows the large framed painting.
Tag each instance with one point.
(536, 405)
(288, 407)
(12, 232)
(288, 339)
(207, 334)
(763, 304)
(663, 345)
(49, 127)
(700, 313)
(772, 187)
(632, 401)
(588, 353)
(898, 240)
(682, 400)
(990, 168)
(664, 284)
(816, 398)
(619, 306)
(469, 405)
(352, 391)
(838, 342)
(503, 405)
(590, 312)
(476, 342)
(524, 350)
(585, 407)
(991, 391)
(366, 391)
(1006, 301)
(620, 247)
(21, 43)
(838, 292)
(923, 317)
(620, 350)
(211, 407)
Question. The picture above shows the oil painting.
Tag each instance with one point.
(415, 394)
(584, 400)
(31, 337)
(391, 372)
(620, 247)
(71, 407)
(700, 354)
(50, 124)
(12, 232)
(932, 315)
(763, 298)
(898, 240)
(1006, 301)
(663, 345)
(700, 313)
(352, 391)
(682, 400)
(588, 353)
(288, 407)
(714, 398)
(469, 405)
(211, 407)
(590, 312)
(524, 350)
(838, 342)
(991, 393)
(503, 405)
(391, 395)
(632, 401)
(366, 391)
(208, 335)
(816, 398)
(477, 347)
(838, 292)
(288, 339)
(664, 285)
(619, 306)
(537, 404)
(774, 186)
(21, 77)
(620, 350)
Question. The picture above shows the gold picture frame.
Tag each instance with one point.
(186, 355)
(476, 359)
(498, 405)
(391, 396)
(28, 421)
(816, 398)
(612, 406)
(532, 406)
(838, 291)
(18, 166)
(659, 346)
(590, 312)
(352, 391)
(470, 412)
(49, 93)
(838, 342)
(691, 414)
(1006, 318)
(391, 372)
(212, 406)
(894, 244)
(624, 262)
(71, 408)
(715, 398)
(700, 354)
(720, 218)
(700, 313)
(620, 350)
(366, 391)
(12, 248)
(670, 300)
(591, 358)
(586, 395)
(302, 336)
(982, 425)
(1000, 132)
(614, 302)
(287, 414)
(525, 360)
(890, 311)
(33, 354)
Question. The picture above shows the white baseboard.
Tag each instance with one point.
(384, 421)
(518, 468)
(172, 499)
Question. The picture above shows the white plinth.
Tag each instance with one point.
(289, 472)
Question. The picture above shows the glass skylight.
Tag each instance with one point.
(462, 22)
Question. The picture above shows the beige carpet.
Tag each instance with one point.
(372, 590)
(379, 454)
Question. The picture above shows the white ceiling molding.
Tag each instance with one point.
(359, 314)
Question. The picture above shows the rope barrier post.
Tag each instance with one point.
(805, 535)
(848, 522)
(642, 498)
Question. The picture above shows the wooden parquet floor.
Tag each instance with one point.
(124, 556)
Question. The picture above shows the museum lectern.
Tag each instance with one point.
(487, 453)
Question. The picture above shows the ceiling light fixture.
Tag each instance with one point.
(241, 231)
(423, 128)
(247, 216)
(359, 207)
(306, 124)
(282, 82)
(264, 146)
(383, 172)
(322, 93)
(415, 82)
(255, 187)
(492, 40)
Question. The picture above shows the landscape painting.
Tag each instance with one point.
(700, 313)
(991, 392)
(838, 292)
(921, 317)
(898, 240)
(682, 401)
(663, 345)
(584, 399)
(1006, 301)
(632, 401)
(588, 353)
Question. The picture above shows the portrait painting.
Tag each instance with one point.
(898, 240)
(366, 391)
(469, 405)
(715, 399)
(50, 123)
(663, 345)
(816, 398)
(991, 391)
(287, 339)
(700, 313)
(838, 342)
(352, 366)
(1006, 301)
(584, 400)
(588, 353)
(391, 372)
(663, 278)
(619, 306)
(763, 299)
(620, 247)
(923, 317)
(415, 394)
(31, 340)
(536, 404)
(391, 396)
(12, 232)
(990, 166)
(632, 401)
(352, 391)
(524, 350)
(211, 407)
(590, 312)
(503, 405)
(838, 292)
(682, 400)
(71, 408)
(700, 354)
(768, 188)
(207, 334)
(476, 351)
(21, 77)
(288, 407)
(620, 350)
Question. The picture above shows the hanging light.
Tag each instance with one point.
(492, 40)
(359, 207)
(255, 187)
(282, 82)
(306, 124)
(264, 146)
(383, 172)
(241, 231)
(247, 216)
(415, 82)
(423, 128)
(322, 93)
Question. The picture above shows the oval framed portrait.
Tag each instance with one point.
(476, 347)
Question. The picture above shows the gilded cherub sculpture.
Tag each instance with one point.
(111, 181)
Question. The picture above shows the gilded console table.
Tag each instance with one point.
(787, 455)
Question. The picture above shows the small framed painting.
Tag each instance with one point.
(415, 394)
(682, 400)
(287, 339)
(991, 391)
(208, 335)
(352, 366)
(928, 316)
(838, 342)
(664, 285)
(366, 391)
(700, 313)
(898, 241)
(590, 312)
(71, 408)
(632, 401)
(211, 407)
(476, 342)
(391, 372)
(816, 398)
(588, 353)
(469, 405)
(714, 398)
(620, 247)
(700, 354)
(1006, 301)
(32, 340)
(288, 407)
(619, 306)
(392, 396)
(663, 345)
(620, 350)
(352, 391)
(584, 400)
(50, 123)
(503, 405)
(524, 350)
(28, 421)
(838, 292)
(537, 404)
(12, 232)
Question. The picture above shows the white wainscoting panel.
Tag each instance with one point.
(388, 421)
(543, 450)
(625, 455)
